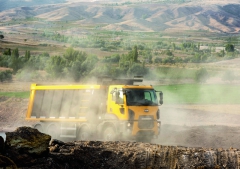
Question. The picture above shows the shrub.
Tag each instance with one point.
(5, 75)
(137, 69)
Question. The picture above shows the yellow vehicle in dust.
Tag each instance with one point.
(106, 112)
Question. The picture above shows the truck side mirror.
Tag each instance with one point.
(161, 97)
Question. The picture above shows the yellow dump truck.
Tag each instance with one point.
(113, 110)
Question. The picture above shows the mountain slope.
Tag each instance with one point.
(8, 4)
(216, 17)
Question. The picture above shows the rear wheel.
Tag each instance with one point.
(84, 133)
(39, 127)
(53, 131)
(109, 134)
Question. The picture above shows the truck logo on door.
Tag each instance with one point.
(146, 110)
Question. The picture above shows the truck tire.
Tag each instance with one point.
(39, 127)
(53, 131)
(109, 134)
(84, 133)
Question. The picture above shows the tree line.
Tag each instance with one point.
(165, 52)
(73, 64)
(78, 65)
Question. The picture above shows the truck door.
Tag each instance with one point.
(116, 103)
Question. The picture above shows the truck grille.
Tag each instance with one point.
(145, 122)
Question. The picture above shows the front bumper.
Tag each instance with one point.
(129, 131)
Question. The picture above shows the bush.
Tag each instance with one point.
(111, 59)
(5, 75)
(137, 69)
(5, 60)
(158, 60)
(229, 47)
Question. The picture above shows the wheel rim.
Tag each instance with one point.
(53, 131)
(109, 134)
(84, 134)
(39, 127)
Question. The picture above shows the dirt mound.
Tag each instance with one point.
(28, 148)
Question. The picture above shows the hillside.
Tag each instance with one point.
(214, 16)
(5, 5)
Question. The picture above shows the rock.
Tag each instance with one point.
(7, 162)
(26, 144)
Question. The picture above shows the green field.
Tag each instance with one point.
(15, 94)
(200, 94)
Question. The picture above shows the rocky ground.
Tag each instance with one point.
(27, 148)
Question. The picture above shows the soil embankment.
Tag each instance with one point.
(29, 149)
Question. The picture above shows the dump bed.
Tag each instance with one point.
(61, 102)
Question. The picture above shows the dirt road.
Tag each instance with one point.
(215, 126)
(184, 125)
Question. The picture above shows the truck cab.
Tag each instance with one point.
(136, 109)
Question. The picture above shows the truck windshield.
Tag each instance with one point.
(141, 97)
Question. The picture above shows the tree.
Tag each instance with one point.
(15, 61)
(158, 60)
(173, 46)
(7, 52)
(5, 75)
(111, 59)
(229, 47)
(72, 55)
(169, 53)
(27, 55)
(76, 71)
(198, 46)
(169, 59)
(135, 54)
(150, 59)
(55, 66)
(89, 64)
(137, 69)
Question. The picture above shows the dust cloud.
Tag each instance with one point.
(206, 123)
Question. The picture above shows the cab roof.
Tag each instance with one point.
(132, 86)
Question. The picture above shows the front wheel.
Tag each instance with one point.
(109, 134)
(84, 133)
